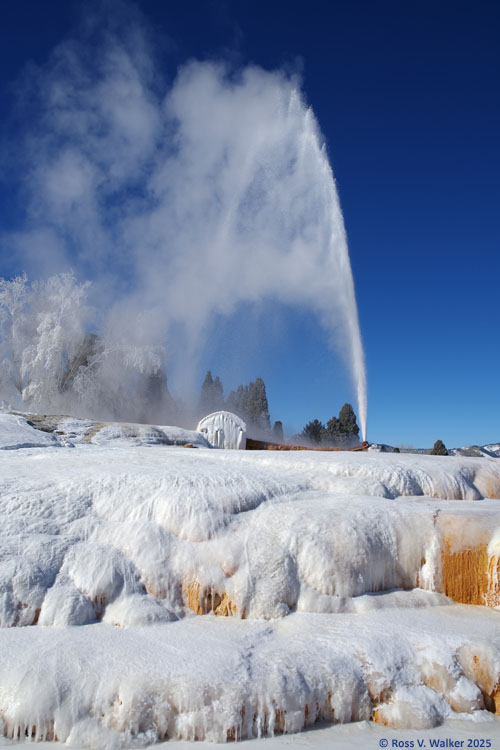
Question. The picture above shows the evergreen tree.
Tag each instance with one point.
(250, 403)
(257, 406)
(212, 395)
(153, 396)
(342, 430)
(314, 431)
(206, 394)
(349, 426)
(217, 395)
(237, 401)
(333, 432)
(277, 432)
(439, 449)
(155, 387)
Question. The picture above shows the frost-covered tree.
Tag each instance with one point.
(41, 330)
(58, 308)
(49, 362)
(116, 383)
(85, 356)
(15, 334)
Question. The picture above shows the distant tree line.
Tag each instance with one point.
(341, 431)
(251, 404)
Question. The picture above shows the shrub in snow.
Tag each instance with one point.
(439, 449)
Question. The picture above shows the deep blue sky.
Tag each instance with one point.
(407, 96)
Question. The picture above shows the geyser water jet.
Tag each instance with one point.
(246, 210)
(184, 205)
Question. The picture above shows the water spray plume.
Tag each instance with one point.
(265, 194)
(185, 206)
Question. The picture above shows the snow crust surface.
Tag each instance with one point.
(328, 565)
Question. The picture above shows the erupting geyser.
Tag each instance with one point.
(256, 187)
(185, 205)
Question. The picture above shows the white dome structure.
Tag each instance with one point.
(222, 429)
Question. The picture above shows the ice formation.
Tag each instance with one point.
(222, 429)
(333, 586)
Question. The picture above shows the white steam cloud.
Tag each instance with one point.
(182, 202)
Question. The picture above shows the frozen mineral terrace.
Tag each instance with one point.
(152, 587)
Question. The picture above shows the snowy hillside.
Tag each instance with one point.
(331, 586)
(491, 450)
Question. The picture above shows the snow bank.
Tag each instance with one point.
(331, 570)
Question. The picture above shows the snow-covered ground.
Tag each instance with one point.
(329, 567)
(352, 736)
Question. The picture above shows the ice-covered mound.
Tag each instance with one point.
(218, 678)
(17, 432)
(260, 535)
(139, 434)
(331, 570)
(76, 430)
(394, 474)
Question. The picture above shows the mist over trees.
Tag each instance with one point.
(314, 431)
(50, 362)
(211, 396)
(277, 432)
